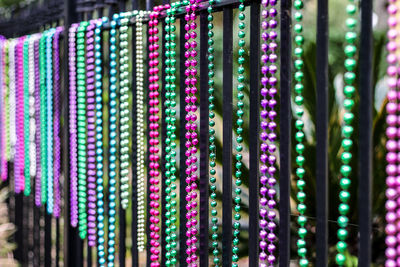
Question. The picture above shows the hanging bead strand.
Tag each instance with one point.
(212, 145)
(154, 118)
(347, 130)
(56, 125)
(27, 176)
(112, 142)
(4, 166)
(81, 128)
(268, 139)
(91, 134)
(391, 143)
(73, 145)
(99, 140)
(170, 120)
(38, 181)
(140, 166)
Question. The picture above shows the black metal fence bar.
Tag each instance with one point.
(285, 134)
(322, 135)
(365, 141)
(227, 85)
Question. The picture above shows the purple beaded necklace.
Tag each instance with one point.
(38, 180)
(392, 108)
(72, 127)
(268, 135)
(56, 125)
(91, 133)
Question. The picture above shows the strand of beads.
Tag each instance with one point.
(140, 132)
(19, 160)
(27, 189)
(56, 126)
(99, 141)
(38, 182)
(347, 130)
(170, 165)
(391, 143)
(154, 134)
(124, 110)
(4, 167)
(72, 126)
(43, 117)
(91, 139)
(191, 132)
(3, 160)
(81, 129)
(268, 158)
(12, 85)
(212, 146)
(299, 124)
(112, 141)
(49, 113)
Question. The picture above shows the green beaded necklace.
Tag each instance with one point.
(212, 147)
(347, 130)
(43, 116)
(170, 165)
(81, 129)
(239, 131)
(27, 189)
(299, 111)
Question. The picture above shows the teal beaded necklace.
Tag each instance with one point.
(170, 165)
(212, 146)
(43, 116)
(27, 189)
(347, 131)
(81, 129)
(99, 142)
(112, 141)
(299, 136)
(239, 131)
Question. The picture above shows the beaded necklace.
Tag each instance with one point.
(299, 124)
(38, 182)
(72, 126)
(170, 120)
(140, 132)
(99, 141)
(268, 139)
(43, 117)
(2, 118)
(27, 189)
(154, 156)
(91, 138)
(124, 131)
(347, 130)
(81, 129)
(391, 133)
(6, 114)
(11, 74)
(56, 128)
(49, 113)
(112, 141)
(20, 118)
(212, 145)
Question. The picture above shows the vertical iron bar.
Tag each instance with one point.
(182, 149)
(365, 146)
(254, 131)
(47, 239)
(57, 242)
(322, 135)
(203, 255)
(89, 255)
(134, 251)
(19, 238)
(149, 5)
(285, 134)
(227, 136)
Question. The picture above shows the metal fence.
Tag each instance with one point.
(34, 234)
